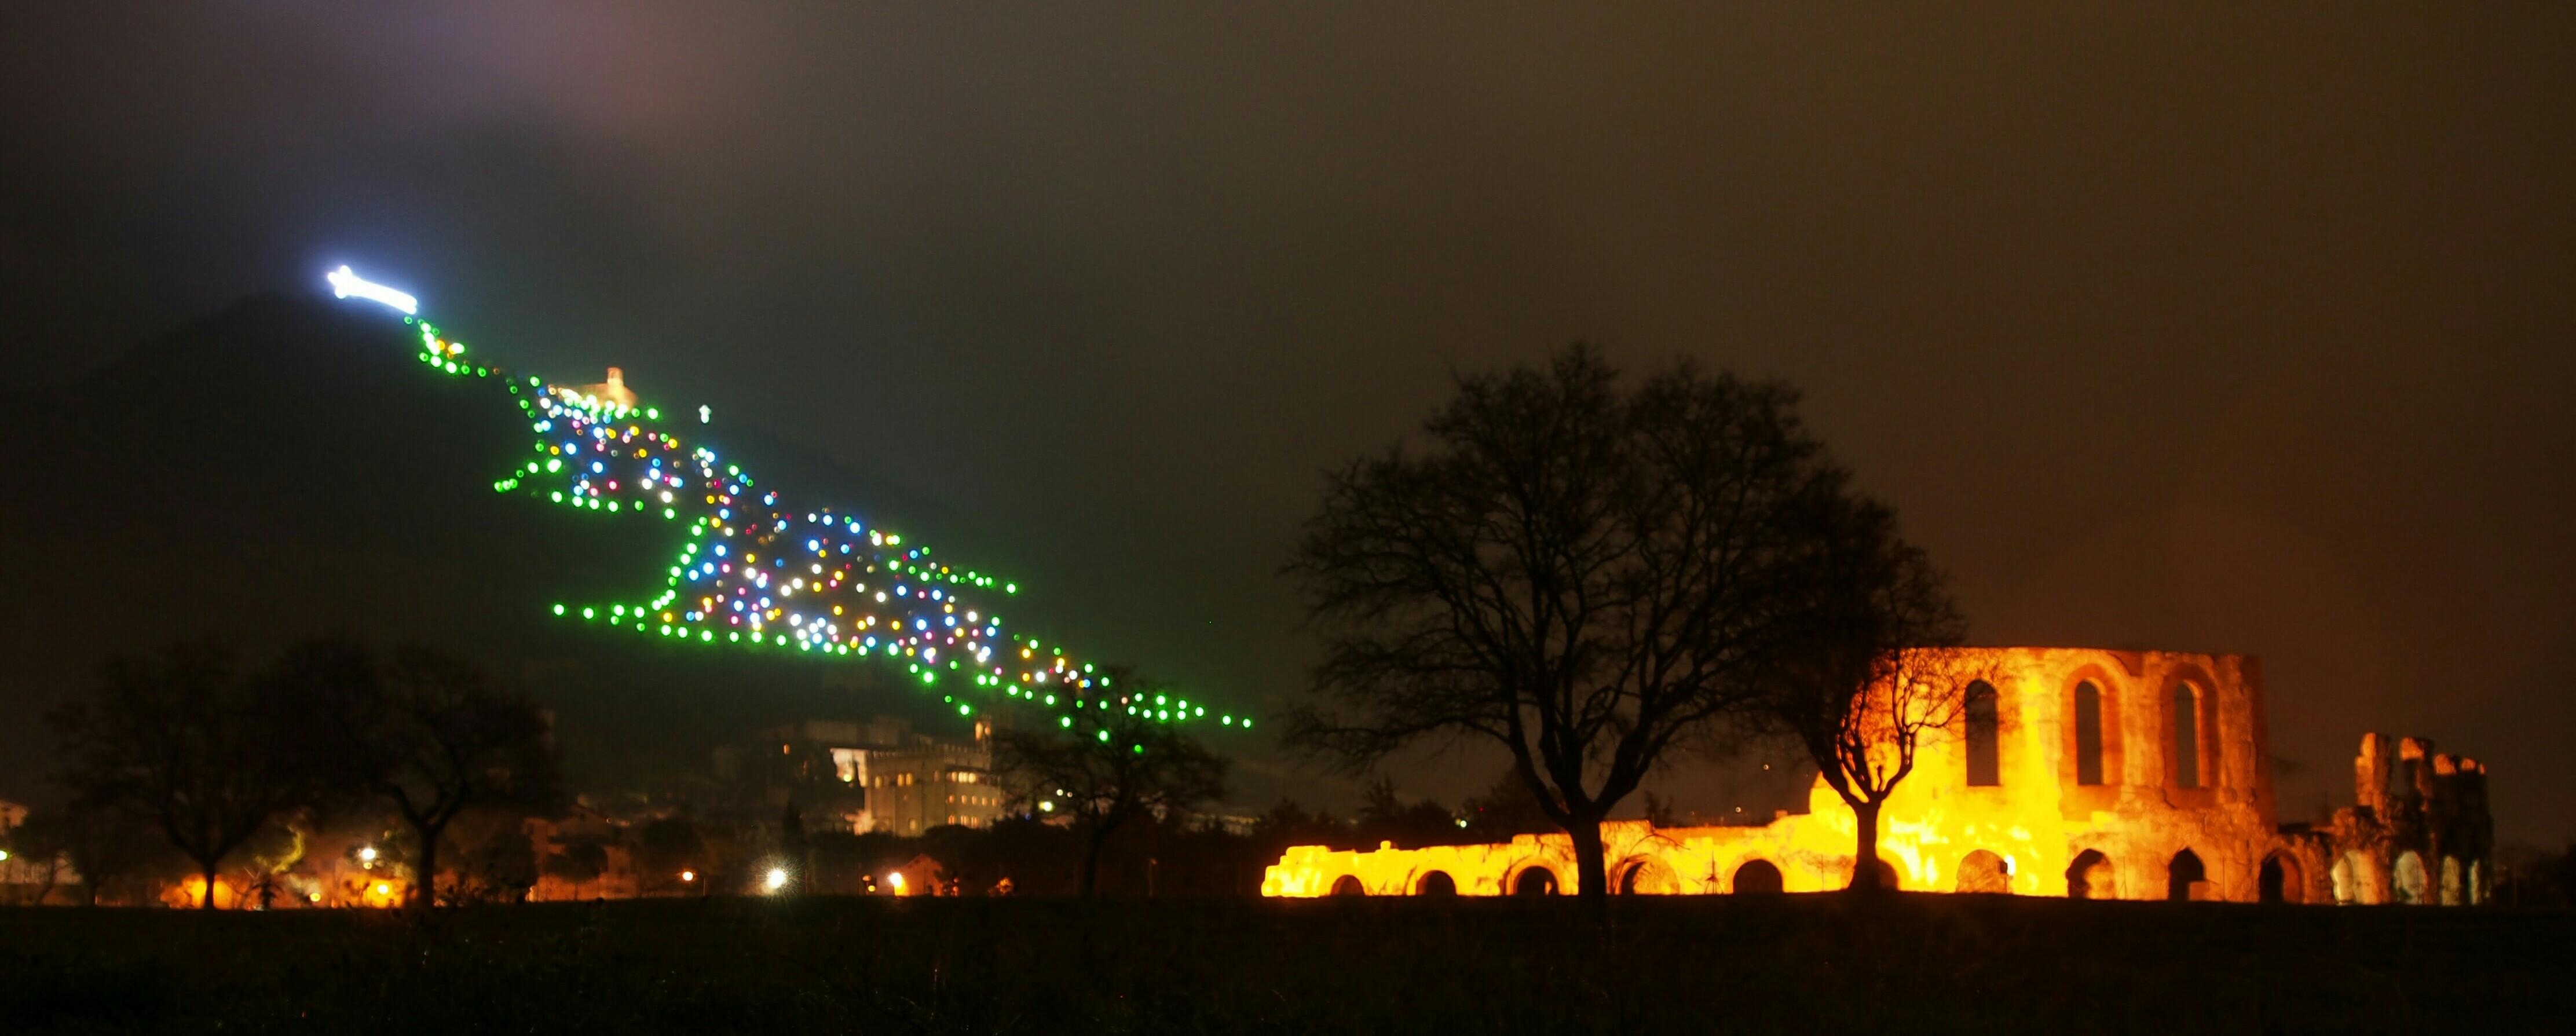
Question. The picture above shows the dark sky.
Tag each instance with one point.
(2177, 325)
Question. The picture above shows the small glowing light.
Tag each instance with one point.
(345, 283)
(383, 889)
(705, 414)
(895, 879)
(777, 879)
(693, 875)
(367, 855)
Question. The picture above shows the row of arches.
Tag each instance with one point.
(2188, 715)
(2090, 876)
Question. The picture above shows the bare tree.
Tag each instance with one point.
(1871, 673)
(1107, 761)
(426, 731)
(185, 741)
(40, 843)
(106, 844)
(1587, 578)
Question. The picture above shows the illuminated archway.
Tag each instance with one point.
(2410, 879)
(2185, 871)
(1648, 877)
(1984, 871)
(2091, 877)
(2282, 881)
(1348, 885)
(1534, 881)
(1436, 883)
(1756, 877)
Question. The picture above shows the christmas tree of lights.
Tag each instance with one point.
(750, 572)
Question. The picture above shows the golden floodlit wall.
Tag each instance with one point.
(2176, 762)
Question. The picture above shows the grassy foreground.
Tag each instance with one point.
(1784, 963)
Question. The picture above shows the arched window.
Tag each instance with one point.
(1536, 881)
(2451, 892)
(1755, 877)
(1436, 883)
(2091, 877)
(2185, 872)
(1348, 885)
(2186, 735)
(2088, 733)
(1985, 769)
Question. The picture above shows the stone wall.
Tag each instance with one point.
(2182, 808)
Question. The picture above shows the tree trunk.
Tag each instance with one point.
(207, 868)
(424, 884)
(1865, 855)
(1591, 872)
(1091, 861)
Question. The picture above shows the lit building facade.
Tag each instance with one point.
(2075, 772)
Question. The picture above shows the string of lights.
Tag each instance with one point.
(750, 572)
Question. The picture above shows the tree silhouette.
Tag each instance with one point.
(187, 742)
(1589, 578)
(1105, 762)
(1867, 676)
(424, 730)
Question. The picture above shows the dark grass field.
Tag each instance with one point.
(1910, 964)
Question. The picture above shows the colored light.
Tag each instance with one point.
(604, 456)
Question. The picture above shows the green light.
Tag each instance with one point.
(559, 609)
(1104, 735)
(589, 613)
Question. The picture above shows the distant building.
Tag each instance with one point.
(613, 391)
(877, 775)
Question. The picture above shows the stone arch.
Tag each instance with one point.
(1984, 871)
(2089, 729)
(2355, 879)
(1756, 876)
(2451, 881)
(2091, 877)
(2185, 720)
(2186, 878)
(2282, 880)
(2410, 882)
(1435, 883)
(1647, 876)
(1348, 885)
(1534, 880)
(1985, 731)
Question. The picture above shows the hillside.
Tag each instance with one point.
(284, 468)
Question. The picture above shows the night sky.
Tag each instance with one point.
(2173, 325)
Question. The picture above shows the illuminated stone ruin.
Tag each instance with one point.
(2077, 772)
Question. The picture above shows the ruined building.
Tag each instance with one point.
(2075, 772)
